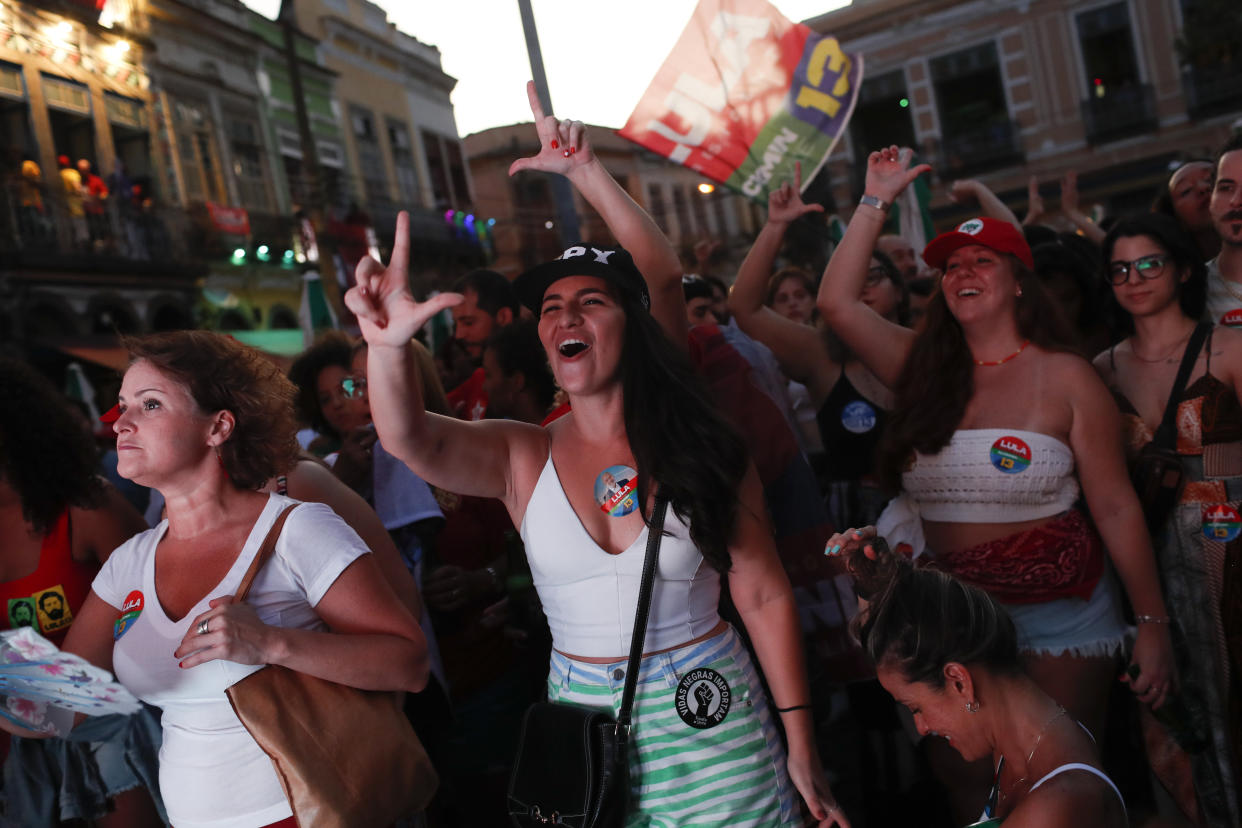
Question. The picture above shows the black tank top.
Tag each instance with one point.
(850, 427)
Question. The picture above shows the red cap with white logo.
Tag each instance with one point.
(995, 234)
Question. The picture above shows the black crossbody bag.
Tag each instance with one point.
(1157, 471)
(572, 766)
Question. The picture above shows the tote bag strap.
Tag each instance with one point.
(265, 552)
(655, 532)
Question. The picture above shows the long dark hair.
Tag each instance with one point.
(45, 453)
(679, 437)
(937, 380)
(333, 348)
(1183, 252)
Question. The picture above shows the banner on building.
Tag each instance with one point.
(232, 220)
(745, 94)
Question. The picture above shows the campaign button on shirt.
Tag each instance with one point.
(1232, 319)
(130, 610)
(1221, 522)
(858, 417)
(1011, 455)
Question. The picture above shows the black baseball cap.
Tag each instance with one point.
(612, 264)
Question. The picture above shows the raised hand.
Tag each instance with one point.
(889, 172)
(387, 312)
(785, 203)
(1034, 202)
(1069, 192)
(964, 191)
(563, 145)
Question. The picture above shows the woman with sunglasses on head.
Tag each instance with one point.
(851, 404)
(1159, 284)
(636, 403)
(997, 424)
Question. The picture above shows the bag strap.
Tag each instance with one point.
(654, 532)
(1165, 434)
(265, 552)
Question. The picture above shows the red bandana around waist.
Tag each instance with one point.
(1063, 558)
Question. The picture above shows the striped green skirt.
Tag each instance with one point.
(703, 749)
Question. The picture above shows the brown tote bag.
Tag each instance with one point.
(346, 758)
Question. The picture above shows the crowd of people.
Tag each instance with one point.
(953, 534)
(112, 215)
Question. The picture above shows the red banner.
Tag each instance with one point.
(232, 220)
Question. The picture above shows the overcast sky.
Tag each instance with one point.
(599, 55)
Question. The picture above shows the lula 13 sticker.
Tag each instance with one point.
(616, 491)
(1011, 455)
(1221, 522)
(130, 610)
(858, 417)
(1232, 319)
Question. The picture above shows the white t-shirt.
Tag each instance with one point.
(1224, 298)
(212, 773)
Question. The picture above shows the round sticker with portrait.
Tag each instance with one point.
(616, 491)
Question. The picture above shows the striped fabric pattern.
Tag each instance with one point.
(730, 774)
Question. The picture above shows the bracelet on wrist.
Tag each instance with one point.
(1151, 619)
(874, 201)
(793, 708)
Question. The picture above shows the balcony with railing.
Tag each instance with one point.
(1120, 113)
(1213, 90)
(42, 228)
(990, 146)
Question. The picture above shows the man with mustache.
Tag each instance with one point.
(1224, 305)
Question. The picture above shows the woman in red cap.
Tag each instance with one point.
(997, 422)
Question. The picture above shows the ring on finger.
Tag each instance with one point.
(202, 626)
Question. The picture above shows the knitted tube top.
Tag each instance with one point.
(993, 475)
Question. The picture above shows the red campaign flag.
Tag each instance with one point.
(745, 94)
(232, 220)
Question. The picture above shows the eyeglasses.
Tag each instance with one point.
(875, 275)
(1148, 267)
(354, 388)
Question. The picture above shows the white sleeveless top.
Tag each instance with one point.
(993, 475)
(590, 596)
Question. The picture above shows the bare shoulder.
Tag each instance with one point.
(1070, 799)
(1080, 379)
(1227, 341)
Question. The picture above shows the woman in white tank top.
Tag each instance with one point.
(949, 653)
(616, 349)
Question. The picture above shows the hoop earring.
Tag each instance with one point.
(972, 707)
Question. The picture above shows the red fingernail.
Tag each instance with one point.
(565, 153)
(555, 144)
(572, 150)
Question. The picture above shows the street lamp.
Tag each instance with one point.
(706, 188)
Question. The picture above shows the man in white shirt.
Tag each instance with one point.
(1224, 305)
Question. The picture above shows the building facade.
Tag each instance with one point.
(1002, 90)
(76, 121)
(400, 134)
